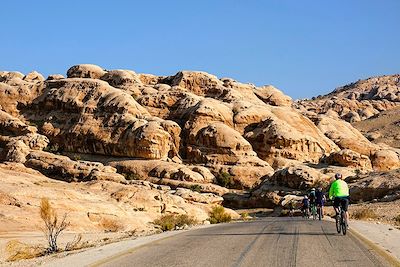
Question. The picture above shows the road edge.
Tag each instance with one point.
(144, 242)
(381, 251)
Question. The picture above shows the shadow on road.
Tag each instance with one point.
(267, 233)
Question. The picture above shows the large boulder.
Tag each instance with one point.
(65, 169)
(349, 158)
(86, 71)
(288, 134)
(299, 177)
(272, 96)
(385, 160)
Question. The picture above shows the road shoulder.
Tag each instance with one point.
(383, 238)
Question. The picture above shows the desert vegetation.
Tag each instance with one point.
(171, 222)
(219, 215)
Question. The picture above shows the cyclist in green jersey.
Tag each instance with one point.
(339, 192)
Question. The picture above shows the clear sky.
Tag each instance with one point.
(305, 48)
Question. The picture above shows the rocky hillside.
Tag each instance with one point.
(194, 138)
(357, 101)
(383, 127)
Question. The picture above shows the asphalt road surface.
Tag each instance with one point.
(265, 242)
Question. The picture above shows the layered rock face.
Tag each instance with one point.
(190, 131)
(357, 101)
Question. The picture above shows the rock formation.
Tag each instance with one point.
(192, 134)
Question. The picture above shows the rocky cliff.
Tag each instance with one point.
(190, 131)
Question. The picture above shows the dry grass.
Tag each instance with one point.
(111, 225)
(17, 250)
(218, 215)
(364, 213)
(170, 222)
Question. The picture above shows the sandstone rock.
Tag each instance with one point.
(200, 83)
(272, 96)
(287, 134)
(85, 71)
(124, 79)
(102, 120)
(55, 77)
(299, 177)
(63, 168)
(33, 77)
(17, 151)
(6, 199)
(16, 92)
(360, 100)
(206, 198)
(257, 199)
(385, 160)
(349, 158)
(345, 136)
(375, 186)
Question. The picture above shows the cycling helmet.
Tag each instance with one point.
(305, 197)
(338, 176)
(313, 189)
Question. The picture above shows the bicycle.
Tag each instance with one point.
(319, 212)
(306, 213)
(341, 223)
(313, 209)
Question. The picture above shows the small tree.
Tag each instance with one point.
(53, 227)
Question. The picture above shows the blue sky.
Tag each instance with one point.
(305, 48)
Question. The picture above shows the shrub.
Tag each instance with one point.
(170, 222)
(364, 213)
(110, 225)
(196, 188)
(131, 176)
(245, 216)
(225, 179)
(53, 148)
(76, 243)
(17, 250)
(52, 225)
(218, 215)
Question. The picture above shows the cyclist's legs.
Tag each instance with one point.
(336, 203)
(344, 202)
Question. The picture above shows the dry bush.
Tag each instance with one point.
(218, 215)
(170, 222)
(111, 225)
(364, 213)
(52, 225)
(17, 250)
(76, 243)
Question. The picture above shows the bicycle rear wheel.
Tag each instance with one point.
(343, 224)
(319, 209)
(338, 223)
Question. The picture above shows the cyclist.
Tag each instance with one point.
(291, 208)
(305, 205)
(339, 192)
(320, 200)
(311, 197)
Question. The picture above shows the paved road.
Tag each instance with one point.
(266, 242)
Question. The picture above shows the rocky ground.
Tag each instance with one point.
(117, 149)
